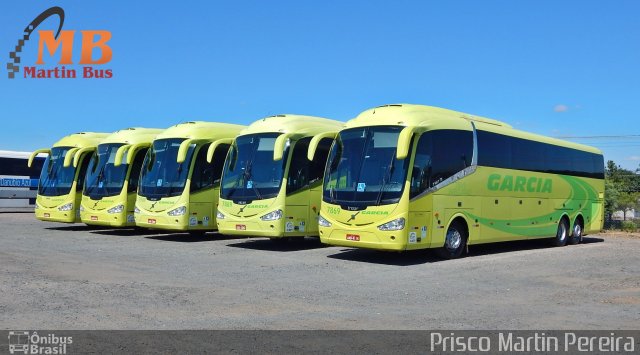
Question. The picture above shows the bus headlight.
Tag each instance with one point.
(272, 216)
(219, 215)
(323, 222)
(395, 225)
(66, 207)
(136, 209)
(81, 208)
(178, 211)
(117, 209)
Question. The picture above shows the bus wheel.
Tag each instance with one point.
(455, 241)
(562, 233)
(576, 235)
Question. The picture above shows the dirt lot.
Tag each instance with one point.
(74, 277)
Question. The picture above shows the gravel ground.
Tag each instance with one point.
(60, 276)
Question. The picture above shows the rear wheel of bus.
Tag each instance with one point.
(562, 234)
(576, 233)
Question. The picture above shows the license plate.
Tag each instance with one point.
(151, 221)
(94, 218)
(47, 215)
(353, 237)
(241, 227)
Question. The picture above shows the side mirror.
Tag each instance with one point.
(313, 145)
(35, 154)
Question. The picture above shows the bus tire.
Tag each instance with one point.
(562, 233)
(576, 232)
(455, 241)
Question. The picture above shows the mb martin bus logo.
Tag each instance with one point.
(23, 342)
(90, 40)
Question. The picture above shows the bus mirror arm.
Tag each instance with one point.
(404, 140)
(68, 158)
(215, 145)
(184, 148)
(313, 145)
(35, 154)
(131, 153)
(281, 141)
(182, 151)
(78, 154)
(120, 153)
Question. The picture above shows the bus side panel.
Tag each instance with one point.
(201, 209)
(494, 210)
(420, 223)
(594, 223)
(296, 213)
(130, 208)
(315, 199)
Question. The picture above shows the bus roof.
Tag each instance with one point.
(201, 130)
(81, 140)
(440, 118)
(17, 155)
(133, 135)
(288, 123)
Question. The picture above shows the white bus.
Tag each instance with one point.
(18, 182)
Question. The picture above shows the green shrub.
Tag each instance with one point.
(629, 226)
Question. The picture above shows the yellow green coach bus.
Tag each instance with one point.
(60, 185)
(109, 193)
(403, 177)
(180, 177)
(269, 188)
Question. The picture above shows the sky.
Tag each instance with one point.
(557, 68)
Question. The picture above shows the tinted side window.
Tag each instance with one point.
(494, 150)
(298, 176)
(506, 152)
(202, 175)
(136, 166)
(316, 166)
(439, 155)
(14, 166)
(84, 164)
(218, 161)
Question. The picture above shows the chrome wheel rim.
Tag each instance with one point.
(577, 231)
(453, 240)
(562, 232)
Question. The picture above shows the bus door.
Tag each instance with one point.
(202, 195)
(82, 167)
(297, 212)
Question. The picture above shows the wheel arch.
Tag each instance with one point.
(463, 220)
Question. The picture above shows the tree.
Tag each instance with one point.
(611, 196)
(628, 201)
(622, 189)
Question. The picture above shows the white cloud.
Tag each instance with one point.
(561, 108)
(634, 158)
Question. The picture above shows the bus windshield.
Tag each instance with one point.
(103, 177)
(362, 168)
(250, 173)
(55, 179)
(162, 175)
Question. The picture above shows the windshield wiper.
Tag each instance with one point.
(385, 179)
(247, 176)
(97, 181)
(172, 184)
